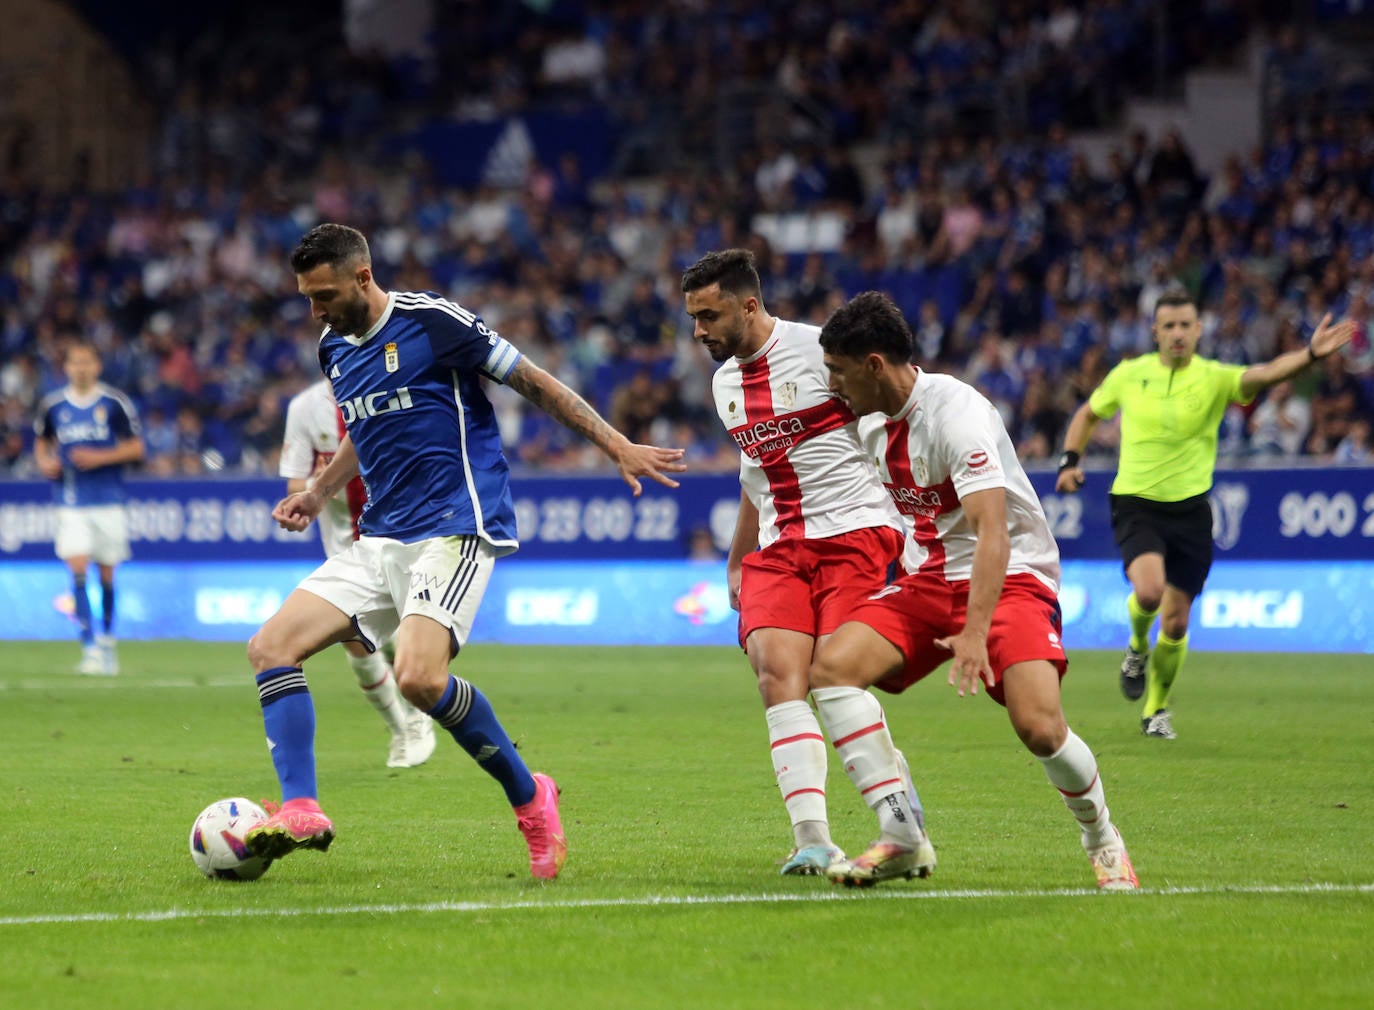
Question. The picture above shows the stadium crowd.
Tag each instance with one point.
(1023, 268)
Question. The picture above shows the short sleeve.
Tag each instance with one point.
(1229, 378)
(297, 452)
(461, 340)
(970, 446)
(124, 418)
(1105, 400)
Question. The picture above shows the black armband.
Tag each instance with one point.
(1069, 459)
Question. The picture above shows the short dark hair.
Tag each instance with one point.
(733, 269)
(80, 343)
(869, 323)
(1173, 298)
(334, 244)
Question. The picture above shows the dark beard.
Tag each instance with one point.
(354, 322)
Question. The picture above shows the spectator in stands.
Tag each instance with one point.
(636, 406)
(165, 275)
(1355, 449)
(1279, 425)
(1337, 401)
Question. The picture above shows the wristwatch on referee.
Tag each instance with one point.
(1068, 460)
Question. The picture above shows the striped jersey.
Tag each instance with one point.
(801, 463)
(948, 441)
(314, 427)
(429, 451)
(101, 419)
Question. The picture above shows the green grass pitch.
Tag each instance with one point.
(1251, 834)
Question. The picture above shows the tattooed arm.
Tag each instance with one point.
(573, 412)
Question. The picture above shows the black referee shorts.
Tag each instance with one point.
(1179, 530)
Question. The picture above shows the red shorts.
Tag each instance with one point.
(918, 609)
(813, 586)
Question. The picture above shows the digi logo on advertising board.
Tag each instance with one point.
(566, 608)
(1263, 608)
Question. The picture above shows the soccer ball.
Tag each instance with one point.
(217, 840)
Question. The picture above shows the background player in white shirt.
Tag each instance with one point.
(87, 434)
(981, 586)
(825, 532)
(314, 426)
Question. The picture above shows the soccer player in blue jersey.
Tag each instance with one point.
(87, 435)
(407, 371)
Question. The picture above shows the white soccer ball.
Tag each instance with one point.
(217, 840)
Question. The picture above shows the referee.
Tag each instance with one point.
(1171, 406)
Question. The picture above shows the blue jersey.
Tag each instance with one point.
(425, 433)
(101, 419)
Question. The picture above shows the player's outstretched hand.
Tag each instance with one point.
(295, 511)
(1327, 339)
(1070, 480)
(970, 661)
(635, 461)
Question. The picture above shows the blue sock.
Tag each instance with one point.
(83, 609)
(288, 714)
(465, 712)
(107, 600)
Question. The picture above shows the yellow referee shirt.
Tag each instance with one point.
(1169, 423)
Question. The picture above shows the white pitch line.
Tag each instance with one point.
(76, 682)
(664, 901)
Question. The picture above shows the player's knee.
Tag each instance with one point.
(823, 674)
(1149, 594)
(1175, 626)
(777, 686)
(262, 653)
(1043, 733)
(420, 684)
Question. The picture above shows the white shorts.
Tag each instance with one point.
(98, 532)
(377, 581)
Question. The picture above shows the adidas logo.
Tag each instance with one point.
(334, 372)
(508, 161)
(423, 594)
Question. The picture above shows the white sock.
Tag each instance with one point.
(799, 763)
(379, 687)
(858, 730)
(1072, 770)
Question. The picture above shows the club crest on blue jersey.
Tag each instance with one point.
(393, 359)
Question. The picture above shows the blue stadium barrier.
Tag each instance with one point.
(1294, 571)
(1248, 606)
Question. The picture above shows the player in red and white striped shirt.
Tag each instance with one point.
(825, 532)
(314, 427)
(981, 587)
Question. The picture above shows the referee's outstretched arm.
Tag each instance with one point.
(1326, 340)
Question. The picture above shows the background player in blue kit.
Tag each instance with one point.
(407, 371)
(87, 435)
